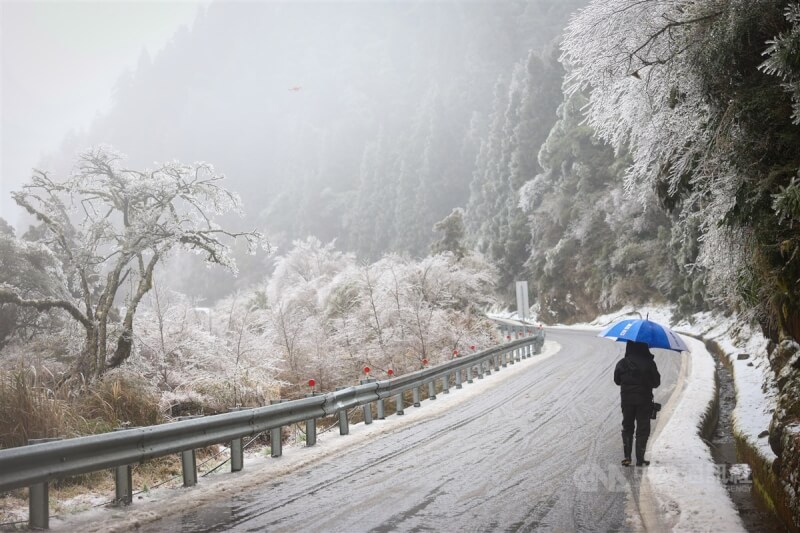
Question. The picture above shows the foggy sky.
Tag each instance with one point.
(60, 62)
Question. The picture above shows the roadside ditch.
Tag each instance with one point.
(747, 477)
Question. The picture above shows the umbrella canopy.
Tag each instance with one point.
(651, 333)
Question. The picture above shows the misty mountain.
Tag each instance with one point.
(359, 122)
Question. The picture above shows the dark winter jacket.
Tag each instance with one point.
(637, 374)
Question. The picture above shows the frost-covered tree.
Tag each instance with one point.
(110, 226)
(709, 125)
(782, 55)
(250, 365)
(202, 358)
(295, 305)
(704, 96)
(328, 315)
(35, 272)
(453, 234)
(523, 114)
(593, 248)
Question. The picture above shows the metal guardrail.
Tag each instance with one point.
(35, 465)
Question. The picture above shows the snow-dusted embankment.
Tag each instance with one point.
(680, 490)
(755, 384)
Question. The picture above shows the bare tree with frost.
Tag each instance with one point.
(329, 316)
(110, 226)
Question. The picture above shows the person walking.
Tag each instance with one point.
(637, 375)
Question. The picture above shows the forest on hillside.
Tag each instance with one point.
(408, 112)
(406, 163)
(354, 122)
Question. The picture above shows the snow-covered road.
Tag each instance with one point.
(541, 449)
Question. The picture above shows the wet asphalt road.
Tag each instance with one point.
(515, 459)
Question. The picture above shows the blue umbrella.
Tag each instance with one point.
(651, 333)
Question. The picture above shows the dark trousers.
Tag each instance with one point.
(638, 413)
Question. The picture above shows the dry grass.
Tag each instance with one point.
(31, 408)
(121, 400)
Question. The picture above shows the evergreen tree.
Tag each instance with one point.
(452, 240)
(594, 248)
(520, 122)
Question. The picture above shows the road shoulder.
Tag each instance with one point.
(680, 491)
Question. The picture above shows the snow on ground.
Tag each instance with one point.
(755, 386)
(257, 467)
(756, 394)
(681, 490)
(681, 480)
(755, 402)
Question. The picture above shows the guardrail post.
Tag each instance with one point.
(496, 361)
(189, 467)
(237, 450)
(399, 404)
(123, 485)
(432, 389)
(39, 497)
(469, 374)
(367, 407)
(480, 369)
(311, 426)
(276, 442)
(38, 506)
(237, 455)
(488, 363)
(458, 379)
(504, 357)
(379, 408)
(446, 384)
(276, 436)
(519, 354)
(123, 481)
(189, 460)
(344, 425)
(415, 396)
